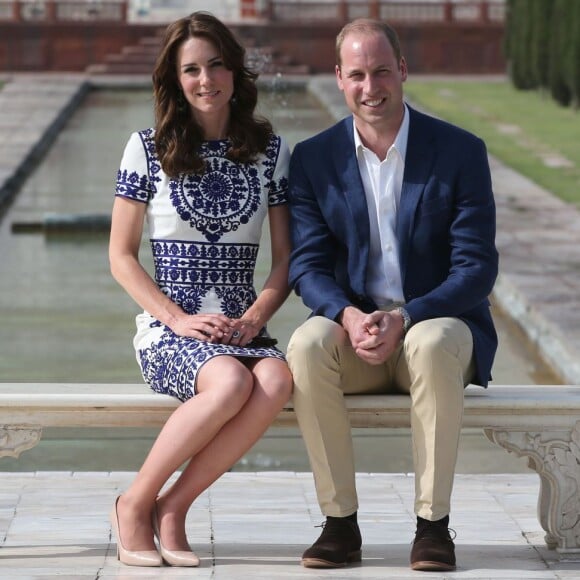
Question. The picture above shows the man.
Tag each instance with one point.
(393, 225)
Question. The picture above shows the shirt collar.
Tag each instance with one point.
(400, 143)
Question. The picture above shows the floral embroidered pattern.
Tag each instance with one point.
(188, 217)
(226, 195)
(171, 365)
(187, 271)
(132, 185)
(141, 186)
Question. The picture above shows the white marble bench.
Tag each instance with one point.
(540, 422)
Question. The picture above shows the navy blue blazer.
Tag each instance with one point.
(445, 228)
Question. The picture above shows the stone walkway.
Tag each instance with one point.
(33, 109)
(256, 525)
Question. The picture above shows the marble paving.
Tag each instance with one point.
(256, 525)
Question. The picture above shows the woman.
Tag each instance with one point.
(206, 178)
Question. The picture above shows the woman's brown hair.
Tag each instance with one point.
(178, 136)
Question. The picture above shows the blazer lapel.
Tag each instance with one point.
(347, 169)
(418, 162)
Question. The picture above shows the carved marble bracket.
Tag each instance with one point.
(14, 439)
(555, 455)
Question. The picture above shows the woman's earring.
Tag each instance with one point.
(234, 99)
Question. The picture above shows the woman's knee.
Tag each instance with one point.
(228, 383)
(275, 380)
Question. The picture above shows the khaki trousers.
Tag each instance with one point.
(433, 365)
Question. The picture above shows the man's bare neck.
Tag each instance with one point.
(378, 137)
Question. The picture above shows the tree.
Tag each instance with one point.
(560, 40)
(541, 14)
(573, 62)
(520, 43)
(542, 47)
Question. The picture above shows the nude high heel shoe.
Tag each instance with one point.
(144, 558)
(173, 557)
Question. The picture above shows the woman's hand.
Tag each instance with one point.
(207, 327)
(242, 332)
(275, 289)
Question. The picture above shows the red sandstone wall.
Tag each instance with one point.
(429, 48)
(63, 46)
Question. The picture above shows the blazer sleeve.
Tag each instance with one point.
(473, 259)
(314, 247)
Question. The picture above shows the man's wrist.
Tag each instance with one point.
(344, 314)
(407, 322)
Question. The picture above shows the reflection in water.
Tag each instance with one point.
(65, 319)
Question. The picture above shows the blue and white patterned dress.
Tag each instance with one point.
(205, 232)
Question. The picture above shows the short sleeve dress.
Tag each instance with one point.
(204, 232)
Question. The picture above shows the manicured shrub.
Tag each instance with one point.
(520, 43)
(573, 62)
(542, 46)
(559, 48)
(541, 14)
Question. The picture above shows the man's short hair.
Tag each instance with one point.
(368, 26)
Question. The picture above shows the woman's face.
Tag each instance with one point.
(207, 84)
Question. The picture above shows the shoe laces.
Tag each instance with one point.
(433, 531)
(335, 527)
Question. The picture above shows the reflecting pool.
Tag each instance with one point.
(65, 319)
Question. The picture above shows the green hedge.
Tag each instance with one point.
(542, 45)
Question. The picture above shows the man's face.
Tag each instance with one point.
(371, 78)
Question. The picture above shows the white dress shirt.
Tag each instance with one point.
(382, 182)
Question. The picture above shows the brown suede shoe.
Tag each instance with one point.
(433, 548)
(338, 545)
